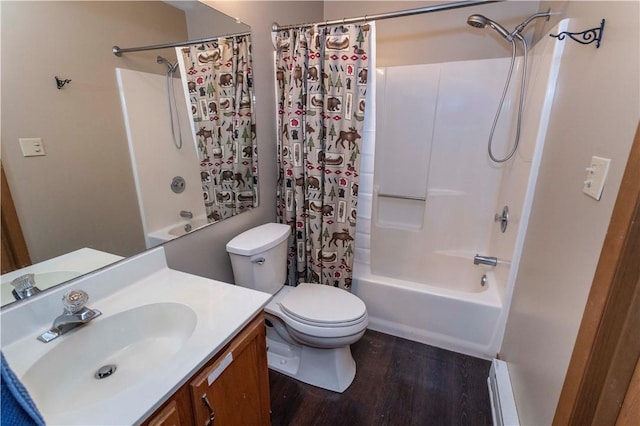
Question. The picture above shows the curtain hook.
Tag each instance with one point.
(365, 19)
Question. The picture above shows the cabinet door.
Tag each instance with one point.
(175, 412)
(234, 390)
(167, 417)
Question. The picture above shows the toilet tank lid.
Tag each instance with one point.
(259, 239)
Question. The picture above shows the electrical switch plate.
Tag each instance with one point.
(31, 147)
(596, 176)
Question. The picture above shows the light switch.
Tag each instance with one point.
(596, 176)
(31, 147)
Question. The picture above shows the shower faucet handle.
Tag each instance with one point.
(503, 218)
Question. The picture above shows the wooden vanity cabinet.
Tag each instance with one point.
(231, 389)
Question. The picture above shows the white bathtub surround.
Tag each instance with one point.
(221, 310)
(154, 158)
(407, 99)
(362, 239)
(406, 274)
(461, 184)
(517, 189)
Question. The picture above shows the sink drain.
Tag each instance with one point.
(105, 371)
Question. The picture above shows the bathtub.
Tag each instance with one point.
(463, 321)
(175, 230)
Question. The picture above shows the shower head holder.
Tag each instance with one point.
(585, 37)
(481, 21)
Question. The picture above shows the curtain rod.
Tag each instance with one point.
(388, 15)
(118, 51)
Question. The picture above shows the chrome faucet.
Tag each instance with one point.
(485, 260)
(74, 315)
(186, 214)
(25, 287)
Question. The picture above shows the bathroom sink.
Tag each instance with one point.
(157, 327)
(139, 342)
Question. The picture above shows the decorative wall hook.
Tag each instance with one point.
(60, 83)
(587, 36)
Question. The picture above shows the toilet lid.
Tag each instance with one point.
(322, 304)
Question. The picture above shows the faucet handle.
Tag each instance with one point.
(25, 286)
(74, 300)
(24, 282)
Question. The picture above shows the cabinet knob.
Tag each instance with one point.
(212, 414)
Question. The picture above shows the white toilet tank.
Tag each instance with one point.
(259, 257)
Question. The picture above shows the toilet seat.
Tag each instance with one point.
(323, 306)
(320, 333)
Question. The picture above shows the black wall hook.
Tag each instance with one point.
(587, 36)
(60, 83)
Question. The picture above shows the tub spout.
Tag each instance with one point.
(485, 260)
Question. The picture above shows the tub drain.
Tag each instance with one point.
(105, 371)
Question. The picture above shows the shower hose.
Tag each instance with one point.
(504, 95)
(173, 110)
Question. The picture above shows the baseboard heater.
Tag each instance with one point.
(503, 405)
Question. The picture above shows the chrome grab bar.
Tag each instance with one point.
(402, 197)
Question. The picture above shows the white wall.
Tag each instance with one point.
(595, 112)
(211, 23)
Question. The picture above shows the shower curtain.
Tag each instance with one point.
(321, 81)
(220, 86)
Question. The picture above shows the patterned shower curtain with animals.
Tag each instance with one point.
(220, 84)
(321, 80)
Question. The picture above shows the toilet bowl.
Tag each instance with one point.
(309, 327)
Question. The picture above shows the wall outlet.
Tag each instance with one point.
(596, 176)
(31, 147)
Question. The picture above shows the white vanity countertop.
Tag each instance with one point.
(222, 311)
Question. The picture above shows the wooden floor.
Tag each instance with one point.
(398, 382)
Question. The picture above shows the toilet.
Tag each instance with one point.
(309, 327)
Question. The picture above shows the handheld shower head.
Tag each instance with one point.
(481, 21)
(478, 21)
